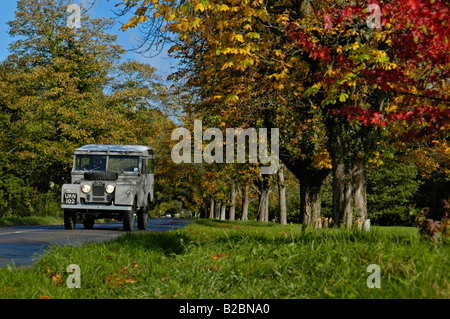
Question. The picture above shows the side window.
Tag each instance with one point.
(144, 165)
(151, 166)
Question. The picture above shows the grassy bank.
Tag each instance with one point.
(32, 220)
(211, 259)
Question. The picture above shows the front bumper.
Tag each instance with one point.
(81, 207)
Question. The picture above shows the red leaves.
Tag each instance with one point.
(364, 116)
(414, 46)
(422, 31)
(424, 114)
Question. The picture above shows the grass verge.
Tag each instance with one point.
(212, 259)
(32, 220)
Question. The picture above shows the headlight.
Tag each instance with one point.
(109, 189)
(86, 188)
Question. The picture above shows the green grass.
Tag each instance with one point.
(212, 259)
(31, 220)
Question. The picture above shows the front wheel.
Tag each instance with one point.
(142, 218)
(70, 219)
(129, 218)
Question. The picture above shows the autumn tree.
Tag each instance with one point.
(368, 81)
(229, 54)
(335, 84)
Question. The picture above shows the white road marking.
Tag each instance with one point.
(20, 231)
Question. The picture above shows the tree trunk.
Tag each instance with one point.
(264, 192)
(359, 190)
(233, 201)
(245, 202)
(217, 210)
(349, 184)
(342, 195)
(263, 207)
(310, 202)
(223, 211)
(311, 181)
(204, 211)
(211, 209)
(282, 194)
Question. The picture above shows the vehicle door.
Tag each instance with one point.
(150, 181)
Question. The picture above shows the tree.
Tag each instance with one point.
(391, 192)
(58, 93)
(285, 63)
(234, 74)
(282, 194)
(366, 81)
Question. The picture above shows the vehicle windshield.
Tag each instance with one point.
(90, 163)
(123, 164)
(101, 162)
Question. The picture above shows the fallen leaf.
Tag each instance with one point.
(130, 281)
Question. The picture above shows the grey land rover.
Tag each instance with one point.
(109, 181)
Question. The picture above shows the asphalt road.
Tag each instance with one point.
(21, 245)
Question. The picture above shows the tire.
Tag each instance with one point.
(142, 218)
(89, 222)
(101, 176)
(70, 219)
(129, 218)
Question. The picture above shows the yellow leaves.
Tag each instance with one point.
(278, 76)
(196, 22)
(170, 16)
(199, 7)
(322, 160)
(355, 46)
(227, 65)
(223, 7)
(232, 98)
(389, 66)
(238, 37)
(173, 48)
(229, 50)
(375, 160)
(278, 86)
(142, 19)
(283, 18)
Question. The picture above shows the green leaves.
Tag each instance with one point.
(62, 89)
(343, 97)
(254, 35)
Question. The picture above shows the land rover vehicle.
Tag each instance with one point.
(109, 181)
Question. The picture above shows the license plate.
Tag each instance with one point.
(70, 198)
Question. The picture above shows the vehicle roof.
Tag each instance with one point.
(114, 148)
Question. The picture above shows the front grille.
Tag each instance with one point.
(98, 199)
(98, 190)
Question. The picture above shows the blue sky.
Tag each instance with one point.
(101, 8)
